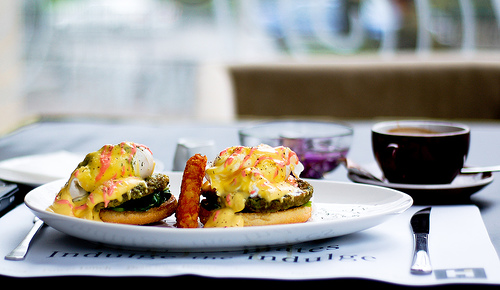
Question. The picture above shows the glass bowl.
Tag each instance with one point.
(319, 145)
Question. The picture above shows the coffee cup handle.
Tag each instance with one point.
(392, 148)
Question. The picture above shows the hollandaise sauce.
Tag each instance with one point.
(239, 173)
(107, 175)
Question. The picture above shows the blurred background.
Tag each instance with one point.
(162, 59)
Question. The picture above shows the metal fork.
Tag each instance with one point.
(19, 252)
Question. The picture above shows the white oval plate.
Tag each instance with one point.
(338, 209)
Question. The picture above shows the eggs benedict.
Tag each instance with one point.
(252, 186)
(116, 184)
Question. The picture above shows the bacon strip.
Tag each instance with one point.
(189, 198)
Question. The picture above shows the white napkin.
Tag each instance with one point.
(460, 251)
(39, 169)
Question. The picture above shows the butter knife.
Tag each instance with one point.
(420, 224)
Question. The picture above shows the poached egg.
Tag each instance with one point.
(104, 175)
(239, 173)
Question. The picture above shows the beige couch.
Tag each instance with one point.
(451, 87)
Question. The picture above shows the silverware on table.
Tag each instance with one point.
(19, 253)
(354, 168)
(482, 169)
(420, 224)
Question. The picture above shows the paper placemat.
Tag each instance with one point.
(460, 250)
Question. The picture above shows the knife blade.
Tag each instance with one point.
(420, 225)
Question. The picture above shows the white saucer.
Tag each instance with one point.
(462, 187)
(35, 170)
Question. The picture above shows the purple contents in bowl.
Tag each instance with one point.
(317, 163)
(319, 145)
